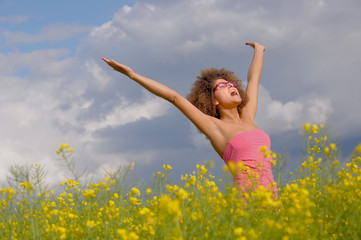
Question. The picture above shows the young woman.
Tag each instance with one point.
(220, 108)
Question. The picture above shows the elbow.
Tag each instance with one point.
(173, 97)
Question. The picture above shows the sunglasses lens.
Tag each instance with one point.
(224, 84)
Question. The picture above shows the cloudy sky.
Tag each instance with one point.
(55, 89)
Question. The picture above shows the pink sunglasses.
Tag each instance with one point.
(224, 84)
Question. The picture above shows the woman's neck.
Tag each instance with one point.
(230, 115)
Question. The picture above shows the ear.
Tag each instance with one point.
(215, 102)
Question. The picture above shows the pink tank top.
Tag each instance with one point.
(252, 167)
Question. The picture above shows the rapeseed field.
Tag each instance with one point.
(320, 201)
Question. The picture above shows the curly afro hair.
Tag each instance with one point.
(201, 94)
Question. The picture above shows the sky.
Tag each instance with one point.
(55, 89)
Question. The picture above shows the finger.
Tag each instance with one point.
(106, 60)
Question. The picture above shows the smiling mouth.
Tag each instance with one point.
(234, 92)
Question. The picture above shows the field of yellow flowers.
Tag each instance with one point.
(322, 201)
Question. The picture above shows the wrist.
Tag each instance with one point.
(132, 75)
(259, 49)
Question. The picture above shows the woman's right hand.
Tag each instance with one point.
(120, 67)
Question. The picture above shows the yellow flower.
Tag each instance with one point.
(133, 236)
(54, 212)
(26, 185)
(144, 211)
(314, 129)
(225, 168)
(267, 154)
(335, 163)
(167, 167)
(182, 194)
(307, 127)
(171, 206)
(89, 194)
(273, 184)
(203, 170)
(135, 191)
(263, 148)
(135, 201)
(252, 234)
(231, 167)
(90, 223)
(149, 191)
(238, 231)
(326, 151)
(131, 166)
(123, 234)
(358, 149)
(333, 146)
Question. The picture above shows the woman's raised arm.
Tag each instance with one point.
(254, 75)
(203, 122)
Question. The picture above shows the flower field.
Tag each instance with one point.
(321, 201)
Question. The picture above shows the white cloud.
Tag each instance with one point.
(127, 112)
(107, 31)
(50, 33)
(100, 76)
(39, 62)
(276, 117)
(163, 32)
(13, 19)
(198, 139)
(33, 124)
(49, 106)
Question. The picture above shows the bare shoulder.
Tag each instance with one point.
(225, 131)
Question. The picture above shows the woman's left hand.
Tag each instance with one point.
(256, 46)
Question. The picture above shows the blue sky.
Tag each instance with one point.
(55, 88)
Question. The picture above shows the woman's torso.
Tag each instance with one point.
(247, 155)
(241, 143)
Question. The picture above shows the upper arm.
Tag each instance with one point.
(202, 121)
(254, 75)
(250, 109)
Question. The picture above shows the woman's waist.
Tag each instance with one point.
(262, 179)
(258, 164)
(255, 173)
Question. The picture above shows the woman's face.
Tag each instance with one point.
(225, 93)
